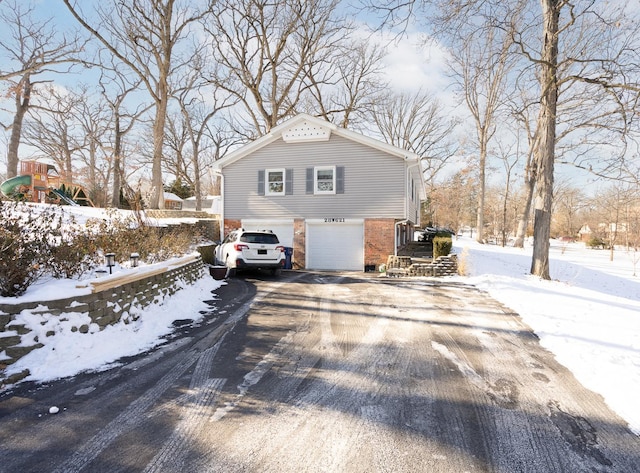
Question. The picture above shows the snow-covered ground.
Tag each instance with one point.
(67, 353)
(588, 316)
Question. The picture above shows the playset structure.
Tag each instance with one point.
(40, 182)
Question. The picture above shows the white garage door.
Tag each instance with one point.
(335, 246)
(282, 228)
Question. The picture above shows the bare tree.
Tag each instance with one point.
(69, 127)
(176, 141)
(116, 87)
(416, 122)
(569, 202)
(508, 151)
(588, 47)
(194, 123)
(145, 36)
(521, 110)
(266, 51)
(481, 56)
(455, 213)
(481, 62)
(615, 216)
(93, 117)
(32, 49)
(196, 137)
(632, 218)
(347, 85)
(597, 56)
(54, 129)
(587, 122)
(199, 107)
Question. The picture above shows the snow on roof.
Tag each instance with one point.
(171, 196)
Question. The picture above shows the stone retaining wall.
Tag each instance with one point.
(108, 304)
(398, 266)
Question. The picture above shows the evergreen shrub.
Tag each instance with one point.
(595, 242)
(442, 246)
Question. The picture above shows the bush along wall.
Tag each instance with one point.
(208, 253)
(108, 304)
(44, 241)
(442, 246)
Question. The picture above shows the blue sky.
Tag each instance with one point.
(410, 65)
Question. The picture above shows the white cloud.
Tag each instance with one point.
(414, 63)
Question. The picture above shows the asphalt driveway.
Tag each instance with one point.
(327, 372)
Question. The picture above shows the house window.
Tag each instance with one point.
(275, 181)
(325, 180)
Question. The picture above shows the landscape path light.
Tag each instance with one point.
(134, 260)
(111, 260)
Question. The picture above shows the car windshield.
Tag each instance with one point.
(266, 238)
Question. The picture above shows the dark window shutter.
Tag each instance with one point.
(309, 180)
(261, 182)
(339, 179)
(288, 182)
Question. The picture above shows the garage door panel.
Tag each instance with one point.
(335, 246)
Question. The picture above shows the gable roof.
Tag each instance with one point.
(305, 127)
(171, 196)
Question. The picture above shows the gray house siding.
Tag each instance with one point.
(413, 196)
(374, 182)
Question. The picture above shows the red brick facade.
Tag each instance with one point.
(379, 239)
(230, 225)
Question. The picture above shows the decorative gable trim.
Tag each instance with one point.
(306, 131)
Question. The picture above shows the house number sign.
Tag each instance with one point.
(334, 220)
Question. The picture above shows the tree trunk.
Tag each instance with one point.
(544, 152)
(613, 234)
(197, 187)
(115, 193)
(67, 164)
(504, 214)
(94, 186)
(23, 96)
(157, 195)
(611, 247)
(481, 192)
(523, 223)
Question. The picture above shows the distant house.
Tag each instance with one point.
(211, 204)
(608, 231)
(172, 201)
(585, 233)
(341, 200)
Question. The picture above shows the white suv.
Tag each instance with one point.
(255, 249)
